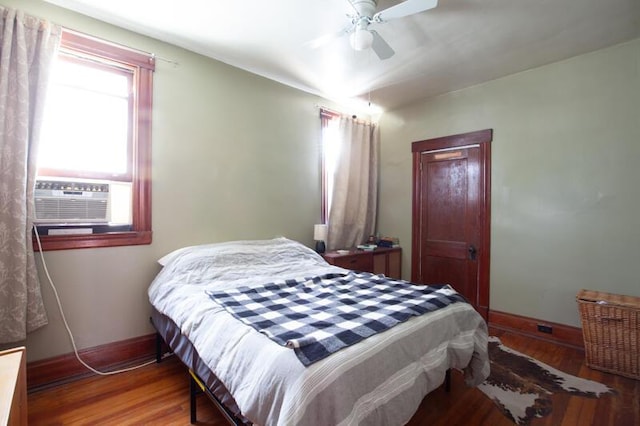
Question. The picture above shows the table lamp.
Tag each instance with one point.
(320, 235)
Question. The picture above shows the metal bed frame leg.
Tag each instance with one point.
(193, 392)
(197, 387)
(447, 380)
(158, 348)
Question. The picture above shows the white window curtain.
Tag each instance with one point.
(27, 47)
(352, 212)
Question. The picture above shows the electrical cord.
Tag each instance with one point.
(66, 324)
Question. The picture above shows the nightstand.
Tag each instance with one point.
(13, 387)
(387, 261)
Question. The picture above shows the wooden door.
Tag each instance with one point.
(451, 214)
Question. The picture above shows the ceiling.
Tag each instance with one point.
(458, 44)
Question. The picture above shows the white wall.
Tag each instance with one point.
(565, 173)
(235, 156)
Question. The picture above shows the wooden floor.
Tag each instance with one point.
(159, 395)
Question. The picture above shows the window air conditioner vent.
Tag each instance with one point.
(71, 202)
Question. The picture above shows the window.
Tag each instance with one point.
(330, 151)
(95, 146)
(89, 112)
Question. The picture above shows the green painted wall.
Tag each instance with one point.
(565, 177)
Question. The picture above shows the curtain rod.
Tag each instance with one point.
(329, 112)
(122, 46)
(333, 112)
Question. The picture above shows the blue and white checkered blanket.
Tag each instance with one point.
(321, 315)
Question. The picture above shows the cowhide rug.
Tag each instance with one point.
(522, 386)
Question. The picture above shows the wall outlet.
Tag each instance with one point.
(545, 329)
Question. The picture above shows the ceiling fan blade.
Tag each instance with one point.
(406, 8)
(328, 38)
(381, 47)
(355, 9)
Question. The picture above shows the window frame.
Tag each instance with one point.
(143, 65)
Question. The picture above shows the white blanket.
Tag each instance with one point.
(379, 381)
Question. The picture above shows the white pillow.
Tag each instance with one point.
(164, 260)
(168, 258)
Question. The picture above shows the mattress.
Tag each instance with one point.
(378, 381)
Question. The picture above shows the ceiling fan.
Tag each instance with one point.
(362, 37)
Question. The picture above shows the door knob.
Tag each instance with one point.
(472, 252)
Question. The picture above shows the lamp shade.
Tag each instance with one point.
(320, 232)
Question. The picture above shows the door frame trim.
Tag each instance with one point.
(483, 139)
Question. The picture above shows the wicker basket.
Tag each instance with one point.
(611, 330)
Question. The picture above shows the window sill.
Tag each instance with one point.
(110, 239)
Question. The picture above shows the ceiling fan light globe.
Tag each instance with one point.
(361, 39)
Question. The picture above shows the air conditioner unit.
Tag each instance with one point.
(71, 202)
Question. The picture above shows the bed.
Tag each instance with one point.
(380, 380)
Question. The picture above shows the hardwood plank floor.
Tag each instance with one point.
(159, 395)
